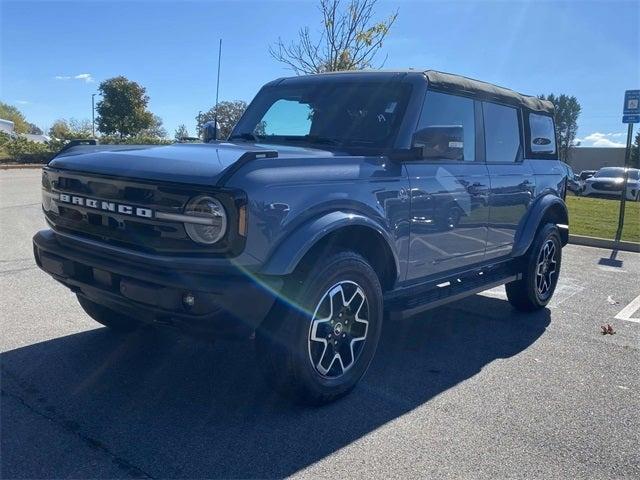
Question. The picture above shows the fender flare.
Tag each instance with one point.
(527, 230)
(287, 254)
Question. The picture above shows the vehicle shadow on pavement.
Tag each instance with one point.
(161, 406)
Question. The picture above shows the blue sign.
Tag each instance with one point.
(631, 119)
(631, 103)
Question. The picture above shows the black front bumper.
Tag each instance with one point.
(231, 303)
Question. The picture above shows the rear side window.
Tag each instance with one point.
(542, 134)
(502, 133)
(449, 113)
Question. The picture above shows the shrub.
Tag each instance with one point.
(22, 150)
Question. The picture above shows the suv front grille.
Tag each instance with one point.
(133, 231)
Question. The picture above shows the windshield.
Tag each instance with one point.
(350, 113)
(616, 172)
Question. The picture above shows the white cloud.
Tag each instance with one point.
(23, 102)
(598, 139)
(85, 77)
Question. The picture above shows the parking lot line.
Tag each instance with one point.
(626, 312)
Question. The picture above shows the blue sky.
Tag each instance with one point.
(54, 54)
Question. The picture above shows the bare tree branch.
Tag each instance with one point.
(350, 39)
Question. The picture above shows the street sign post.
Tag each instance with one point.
(630, 115)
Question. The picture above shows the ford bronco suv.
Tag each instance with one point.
(338, 200)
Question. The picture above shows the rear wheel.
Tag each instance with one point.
(319, 341)
(107, 317)
(541, 270)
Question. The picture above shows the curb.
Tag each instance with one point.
(19, 166)
(604, 243)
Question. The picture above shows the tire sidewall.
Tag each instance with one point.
(341, 267)
(547, 232)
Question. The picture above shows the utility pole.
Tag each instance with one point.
(93, 115)
(215, 117)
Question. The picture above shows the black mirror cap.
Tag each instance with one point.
(209, 132)
(444, 142)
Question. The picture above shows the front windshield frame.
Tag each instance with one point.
(270, 94)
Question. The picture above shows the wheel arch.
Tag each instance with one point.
(548, 209)
(339, 230)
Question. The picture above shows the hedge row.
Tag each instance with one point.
(21, 150)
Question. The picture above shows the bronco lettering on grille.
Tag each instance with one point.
(106, 206)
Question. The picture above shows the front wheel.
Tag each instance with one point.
(541, 271)
(319, 341)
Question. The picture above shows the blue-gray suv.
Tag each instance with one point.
(338, 200)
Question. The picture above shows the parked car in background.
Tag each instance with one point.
(584, 174)
(582, 178)
(608, 181)
(573, 184)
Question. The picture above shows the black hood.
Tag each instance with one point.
(197, 164)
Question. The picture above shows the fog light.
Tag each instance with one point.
(188, 299)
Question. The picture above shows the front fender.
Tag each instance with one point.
(548, 206)
(286, 256)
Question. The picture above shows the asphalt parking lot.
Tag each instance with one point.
(471, 390)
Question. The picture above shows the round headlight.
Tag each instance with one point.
(209, 222)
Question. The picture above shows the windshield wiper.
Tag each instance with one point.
(245, 136)
(320, 140)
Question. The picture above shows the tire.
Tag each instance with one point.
(540, 272)
(109, 318)
(340, 301)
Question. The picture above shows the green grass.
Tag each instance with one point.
(597, 217)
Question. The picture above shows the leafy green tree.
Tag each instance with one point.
(11, 113)
(349, 39)
(228, 114)
(34, 129)
(634, 160)
(123, 108)
(181, 132)
(155, 130)
(63, 129)
(567, 111)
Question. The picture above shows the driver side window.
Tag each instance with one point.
(447, 123)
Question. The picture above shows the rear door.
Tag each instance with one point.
(449, 197)
(511, 178)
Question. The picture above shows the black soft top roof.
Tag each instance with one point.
(448, 81)
(436, 80)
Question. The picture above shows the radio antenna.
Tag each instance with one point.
(215, 118)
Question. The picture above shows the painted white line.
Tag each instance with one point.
(626, 312)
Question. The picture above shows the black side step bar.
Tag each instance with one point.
(455, 288)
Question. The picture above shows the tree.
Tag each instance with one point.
(63, 129)
(155, 130)
(11, 113)
(181, 132)
(123, 108)
(634, 160)
(228, 115)
(567, 111)
(34, 129)
(349, 39)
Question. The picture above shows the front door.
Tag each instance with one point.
(449, 198)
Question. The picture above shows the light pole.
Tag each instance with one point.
(93, 115)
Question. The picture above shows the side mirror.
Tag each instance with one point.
(444, 142)
(209, 132)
